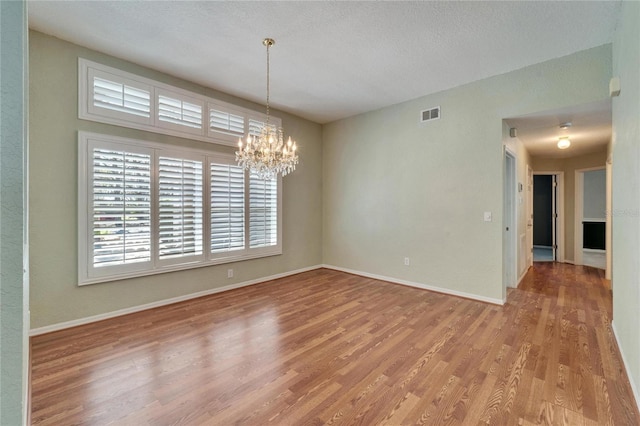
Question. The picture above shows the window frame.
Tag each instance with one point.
(85, 214)
(88, 111)
(87, 274)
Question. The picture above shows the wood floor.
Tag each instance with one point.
(326, 347)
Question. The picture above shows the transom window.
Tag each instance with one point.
(112, 96)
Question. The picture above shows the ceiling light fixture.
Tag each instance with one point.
(267, 154)
(565, 126)
(564, 143)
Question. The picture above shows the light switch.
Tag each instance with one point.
(487, 216)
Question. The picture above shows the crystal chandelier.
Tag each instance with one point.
(267, 154)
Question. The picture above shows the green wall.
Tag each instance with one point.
(14, 287)
(626, 191)
(394, 188)
(55, 295)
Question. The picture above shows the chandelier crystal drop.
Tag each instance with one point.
(267, 154)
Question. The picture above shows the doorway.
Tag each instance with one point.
(544, 218)
(547, 218)
(591, 218)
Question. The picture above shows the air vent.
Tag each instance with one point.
(430, 114)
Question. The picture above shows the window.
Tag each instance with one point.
(263, 207)
(121, 97)
(179, 208)
(179, 112)
(255, 127)
(121, 207)
(117, 98)
(112, 96)
(144, 208)
(227, 208)
(226, 121)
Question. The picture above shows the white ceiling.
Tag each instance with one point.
(337, 59)
(590, 130)
(331, 59)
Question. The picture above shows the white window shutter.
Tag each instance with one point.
(179, 208)
(263, 212)
(112, 96)
(227, 208)
(226, 122)
(176, 111)
(255, 127)
(120, 97)
(121, 207)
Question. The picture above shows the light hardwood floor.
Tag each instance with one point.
(325, 347)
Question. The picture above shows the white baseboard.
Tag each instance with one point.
(522, 276)
(569, 261)
(419, 285)
(125, 311)
(634, 388)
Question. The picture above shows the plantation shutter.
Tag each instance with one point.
(263, 212)
(179, 208)
(120, 97)
(121, 207)
(176, 111)
(255, 127)
(224, 121)
(227, 208)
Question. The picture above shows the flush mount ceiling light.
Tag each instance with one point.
(266, 154)
(564, 143)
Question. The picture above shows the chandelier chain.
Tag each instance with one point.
(268, 43)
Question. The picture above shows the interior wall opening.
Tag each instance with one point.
(545, 218)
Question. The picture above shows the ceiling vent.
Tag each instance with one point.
(430, 114)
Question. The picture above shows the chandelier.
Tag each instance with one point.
(267, 154)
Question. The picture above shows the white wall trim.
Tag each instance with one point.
(569, 261)
(522, 276)
(634, 388)
(509, 220)
(586, 250)
(419, 285)
(133, 309)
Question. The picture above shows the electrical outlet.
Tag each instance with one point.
(407, 262)
(229, 273)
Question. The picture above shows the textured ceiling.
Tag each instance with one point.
(590, 130)
(331, 59)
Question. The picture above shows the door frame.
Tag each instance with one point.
(529, 220)
(559, 222)
(509, 221)
(579, 213)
